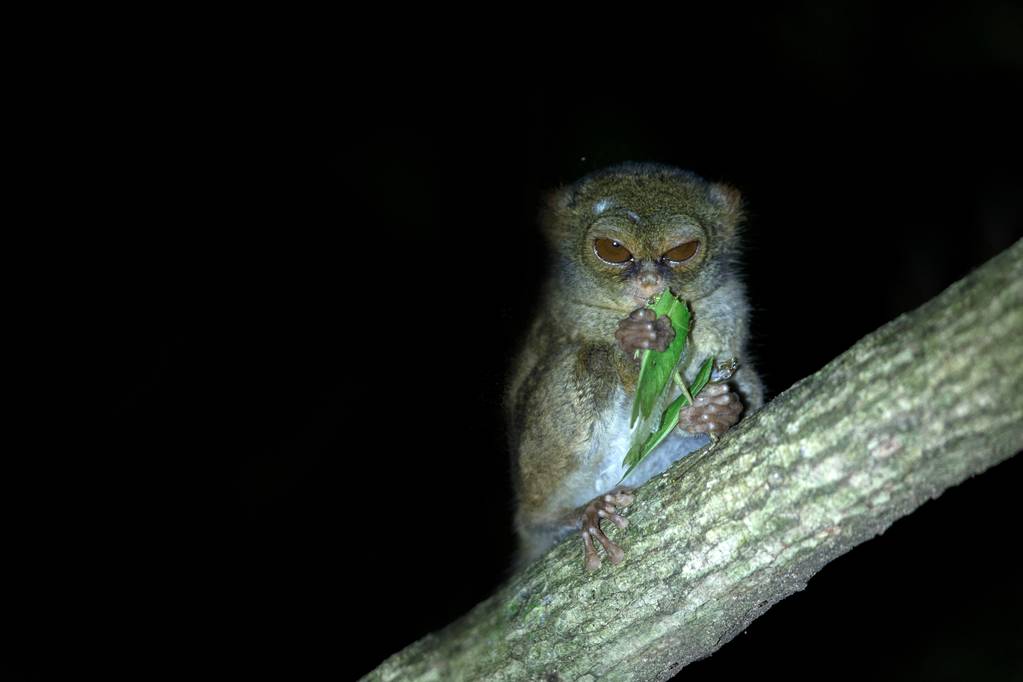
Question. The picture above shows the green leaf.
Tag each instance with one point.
(632, 458)
(702, 377)
(669, 419)
(657, 367)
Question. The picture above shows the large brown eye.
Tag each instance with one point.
(682, 252)
(611, 251)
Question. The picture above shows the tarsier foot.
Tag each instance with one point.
(604, 507)
(715, 410)
(642, 330)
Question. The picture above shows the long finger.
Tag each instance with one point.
(614, 552)
(640, 328)
(590, 559)
(616, 519)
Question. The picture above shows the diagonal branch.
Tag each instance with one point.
(918, 406)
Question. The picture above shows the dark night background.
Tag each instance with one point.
(306, 333)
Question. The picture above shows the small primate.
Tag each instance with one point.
(619, 236)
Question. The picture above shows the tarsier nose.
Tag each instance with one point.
(650, 281)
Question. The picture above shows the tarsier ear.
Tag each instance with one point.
(556, 211)
(729, 201)
(727, 198)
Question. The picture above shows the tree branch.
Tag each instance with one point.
(918, 406)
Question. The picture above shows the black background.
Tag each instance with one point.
(308, 309)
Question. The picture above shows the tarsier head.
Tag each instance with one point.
(626, 232)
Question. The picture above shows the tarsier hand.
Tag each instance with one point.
(714, 411)
(642, 330)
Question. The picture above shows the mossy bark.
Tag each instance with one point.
(921, 404)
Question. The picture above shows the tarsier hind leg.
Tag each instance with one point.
(717, 408)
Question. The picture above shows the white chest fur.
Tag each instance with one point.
(611, 440)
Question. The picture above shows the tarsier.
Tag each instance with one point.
(619, 236)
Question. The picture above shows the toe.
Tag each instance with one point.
(590, 559)
(614, 553)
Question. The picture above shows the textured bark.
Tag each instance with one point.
(921, 404)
